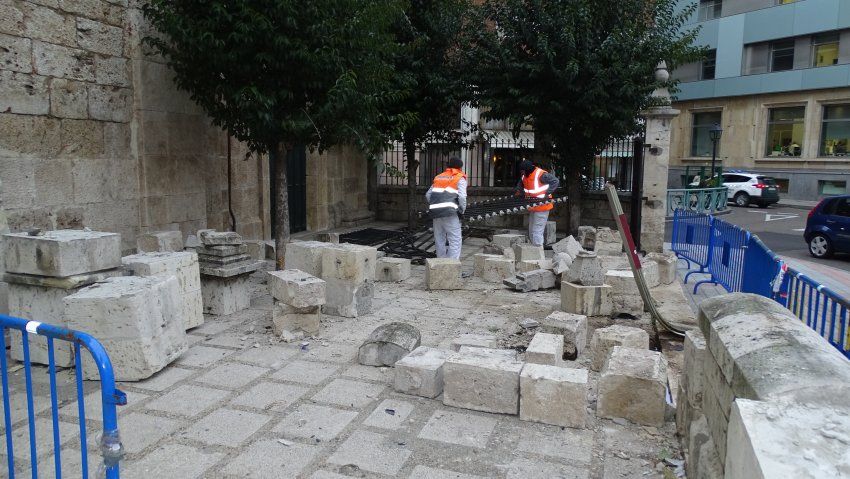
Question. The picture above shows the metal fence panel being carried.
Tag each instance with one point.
(37, 429)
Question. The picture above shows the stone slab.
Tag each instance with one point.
(392, 270)
(371, 452)
(474, 339)
(212, 261)
(532, 280)
(509, 354)
(545, 348)
(388, 343)
(220, 238)
(604, 340)
(296, 288)
(481, 382)
(553, 395)
(633, 386)
(586, 300)
(222, 251)
(223, 296)
(61, 253)
(168, 241)
(420, 373)
(442, 273)
(459, 428)
(572, 327)
(230, 270)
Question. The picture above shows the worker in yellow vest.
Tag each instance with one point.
(446, 202)
(537, 183)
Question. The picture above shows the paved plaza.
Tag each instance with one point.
(240, 403)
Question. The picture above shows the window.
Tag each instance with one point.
(832, 187)
(782, 55)
(825, 50)
(710, 9)
(708, 65)
(842, 208)
(836, 130)
(700, 140)
(785, 131)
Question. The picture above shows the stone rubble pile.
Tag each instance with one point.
(225, 267)
(298, 300)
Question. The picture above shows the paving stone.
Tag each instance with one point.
(187, 400)
(269, 458)
(269, 356)
(573, 327)
(331, 351)
(93, 406)
(573, 445)
(459, 428)
(633, 386)
(164, 379)
(170, 460)
(420, 373)
(369, 373)
(311, 421)
(225, 427)
(371, 452)
(605, 339)
(307, 372)
(202, 356)
(296, 288)
(481, 382)
(328, 475)
(392, 269)
(522, 468)
(553, 395)
(43, 438)
(270, 396)
(545, 348)
(211, 328)
(146, 430)
(382, 418)
(442, 273)
(344, 392)
(425, 472)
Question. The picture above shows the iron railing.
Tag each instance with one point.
(697, 200)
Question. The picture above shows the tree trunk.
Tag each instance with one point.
(281, 200)
(412, 166)
(574, 193)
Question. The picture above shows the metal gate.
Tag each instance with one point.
(36, 428)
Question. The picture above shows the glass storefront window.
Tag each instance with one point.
(785, 128)
(835, 135)
(700, 139)
(825, 50)
(782, 56)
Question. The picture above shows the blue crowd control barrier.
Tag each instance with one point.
(819, 307)
(727, 248)
(761, 267)
(691, 239)
(110, 442)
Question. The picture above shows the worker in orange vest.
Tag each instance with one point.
(538, 183)
(446, 202)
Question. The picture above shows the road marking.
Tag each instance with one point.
(799, 229)
(775, 216)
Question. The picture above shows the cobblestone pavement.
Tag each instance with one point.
(241, 404)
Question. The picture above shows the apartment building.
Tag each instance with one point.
(777, 81)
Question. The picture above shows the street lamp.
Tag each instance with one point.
(714, 134)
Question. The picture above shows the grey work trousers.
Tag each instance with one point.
(447, 230)
(537, 226)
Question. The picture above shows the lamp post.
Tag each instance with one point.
(714, 134)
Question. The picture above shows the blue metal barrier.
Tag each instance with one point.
(761, 267)
(691, 239)
(111, 397)
(727, 248)
(819, 307)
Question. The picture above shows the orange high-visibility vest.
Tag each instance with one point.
(444, 193)
(534, 188)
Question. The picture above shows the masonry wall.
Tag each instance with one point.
(336, 189)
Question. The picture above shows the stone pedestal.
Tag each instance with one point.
(184, 266)
(225, 266)
(222, 296)
(586, 270)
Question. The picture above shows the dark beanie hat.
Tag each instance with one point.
(455, 162)
(526, 166)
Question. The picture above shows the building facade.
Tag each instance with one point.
(777, 81)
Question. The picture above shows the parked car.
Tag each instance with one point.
(828, 227)
(746, 188)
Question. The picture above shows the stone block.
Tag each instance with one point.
(349, 262)
(482, 382)
(586, 300)
(223, 251)
(703, 461)
(241, 268)
(625, 296)
(392, 270)
(528, 252)
(532, 280)
(184, 266)
(497, 268)
(608, 242)
(160, 241)
(550, 234)
(43, 304)
(633, 386)
(604, 340)
(694, 354)
(545, 348)
(510, 354)
(296, 288)
(561, 263)
(442, 273)
(226, 295)
(650, 273)
(553, 395)
(531, 265)
(587, 237)
(216, 261)
(137, 320)
(388, 343)
(346, 299)
(474, 339)
(586, 270)
(220, 238)
(294, 319)
(508, 240)
(667, 263)
(569, 246)
(572, 327)
(420, 373)
(478, 261)
(62, 253)
(256, 250)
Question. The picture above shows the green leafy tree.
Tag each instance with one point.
(432, 36)
(283, 74)
(578, 71)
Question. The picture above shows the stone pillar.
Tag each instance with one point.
(656, 163)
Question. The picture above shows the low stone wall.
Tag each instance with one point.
(761, 395)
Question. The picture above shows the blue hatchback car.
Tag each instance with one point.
(828, 227)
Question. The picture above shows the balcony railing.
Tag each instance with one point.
(698, 200)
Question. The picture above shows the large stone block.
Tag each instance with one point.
(508, 240)
(497, 269)
(553, 395)
(227, 295)
(349, 262)
(184, 266)
(586, 300)
(346, 299)
(532, 280)
(296, 288)
(160, 241)
(220, 238)
(474, 339)
(42, 304)
(479, 260)
(532, 265)
(510, 354)
(388, 343)
(528, 252)
(545, 348)
(392, 270)
(703, 462)
(572, 327)
(561, 263)
(442, 273)
(694, 354)
(633, 386)
(481, 381)
(608, 242)
(667, 263)
(604, 340)
(586, 270)
(293, 319)
(420, 373)
(62, 253)
(306, 256)
(625, 296)
(568, 245)
(137, 320)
